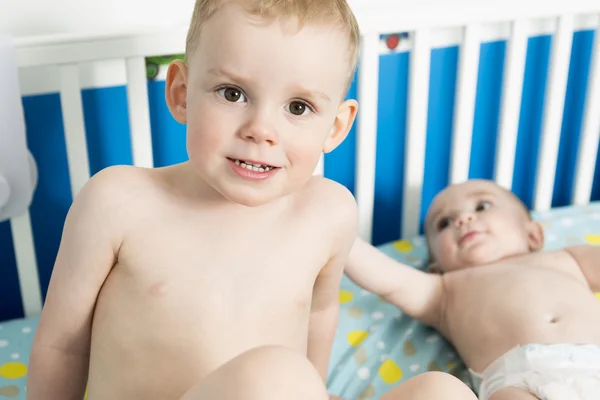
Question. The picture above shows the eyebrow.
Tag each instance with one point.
(303, 92)
(221, 72)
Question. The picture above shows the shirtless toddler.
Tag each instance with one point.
(525, 321)
(218, 278)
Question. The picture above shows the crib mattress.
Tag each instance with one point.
(376, 347)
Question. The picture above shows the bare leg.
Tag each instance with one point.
(263, 373)
(513, 394)
(431, 386)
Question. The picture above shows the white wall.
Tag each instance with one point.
(35, 17)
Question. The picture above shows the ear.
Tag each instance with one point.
(176, 90)
(535, 236)
(342, 125)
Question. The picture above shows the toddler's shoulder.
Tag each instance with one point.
(332, 197)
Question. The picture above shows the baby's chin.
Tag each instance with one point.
(478, 258)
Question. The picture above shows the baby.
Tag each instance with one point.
(525, 321)
(207, 279)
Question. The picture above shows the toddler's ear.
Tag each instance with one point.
(176, 90)
(535, 236)
(342, 125)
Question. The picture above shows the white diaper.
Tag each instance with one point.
(550, 372)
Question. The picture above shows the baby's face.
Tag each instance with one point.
(263, 103)
(477, 223)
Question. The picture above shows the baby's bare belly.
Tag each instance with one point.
(156, 346)
(512, 313)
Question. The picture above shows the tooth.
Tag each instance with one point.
(249, 167)
(237, 162)
(261, 170)
(257, 165)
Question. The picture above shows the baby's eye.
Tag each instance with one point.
(298, 108)
(232, 94)
(443, 224)
(482, 206)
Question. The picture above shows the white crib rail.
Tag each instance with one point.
(139, 112)
(416, 134)
(466, 90)
(553, 111)
(514, 71)
(366, 141)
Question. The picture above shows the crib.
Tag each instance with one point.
(448, 91)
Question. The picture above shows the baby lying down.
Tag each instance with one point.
(525, 321)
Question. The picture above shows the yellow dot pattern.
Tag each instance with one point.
(403, 246)
(355, 338)
(346, 296)
(592, 239)
(390, 372)
(13, 370)
(598, 296)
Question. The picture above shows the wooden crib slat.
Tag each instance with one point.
(418, 92)
(366, 140)
(512, 88)
(31, 295)
(553, 112)
(72, 111)
(590, 134)
(139, 112)
(466, 90)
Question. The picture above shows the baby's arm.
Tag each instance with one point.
(325, 300)
(58, 366)
(588, 259)
(416, 293)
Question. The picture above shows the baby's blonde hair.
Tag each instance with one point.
(306, 11)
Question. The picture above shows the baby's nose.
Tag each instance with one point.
(464, 218)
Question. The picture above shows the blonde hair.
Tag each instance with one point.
(306, 11)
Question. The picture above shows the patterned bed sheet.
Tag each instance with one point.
(376, 346)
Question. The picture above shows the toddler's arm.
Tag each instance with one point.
(325, 299)
(58, 366)
(588, 259)
(416, 293)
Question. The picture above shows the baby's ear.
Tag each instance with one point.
(535, 236)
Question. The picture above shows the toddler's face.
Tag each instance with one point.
(264, 101)
(477, 223)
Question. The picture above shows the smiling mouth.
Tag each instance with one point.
(252, 166)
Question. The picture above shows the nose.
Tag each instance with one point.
(464, 218)
(259, 129)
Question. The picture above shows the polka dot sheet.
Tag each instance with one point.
(376, 346)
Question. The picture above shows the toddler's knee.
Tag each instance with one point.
(277, 372)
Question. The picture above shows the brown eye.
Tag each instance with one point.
(482, 206)
(231, 94)
(443, 223)
(298, 108)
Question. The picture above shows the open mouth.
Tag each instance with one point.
(253, 166)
